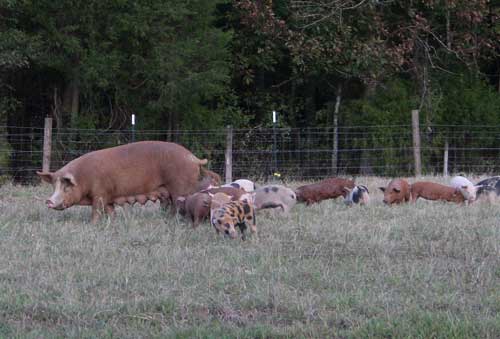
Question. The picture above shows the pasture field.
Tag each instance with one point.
(430, 270)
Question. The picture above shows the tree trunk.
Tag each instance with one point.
(335, 121)
(448, 30)
(310, 116)
(71, 102)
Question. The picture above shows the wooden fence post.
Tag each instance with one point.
(229, 154)
(335, 120)
(416, 142)
(47, 145)
(445, 160)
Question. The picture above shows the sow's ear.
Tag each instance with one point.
(396, 190)
(46, 176)
(69, 179)
(382, 189)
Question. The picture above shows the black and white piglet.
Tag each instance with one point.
(357, 195)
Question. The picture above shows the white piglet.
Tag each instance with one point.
(466, 187)
(244, 184)
(275, 197)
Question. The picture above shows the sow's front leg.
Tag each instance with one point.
(99, 205)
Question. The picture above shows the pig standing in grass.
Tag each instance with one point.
(435, 191)
(468, 189)
(326, 189)
(195, 207)
(357, 195)
(275, 196)
(140, 171)
(397, 192)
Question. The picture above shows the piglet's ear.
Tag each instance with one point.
(382, 189)
(70, 179)
(46, 176)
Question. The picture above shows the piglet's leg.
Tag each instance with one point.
(251, 222)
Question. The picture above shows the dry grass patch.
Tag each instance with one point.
(425, 270)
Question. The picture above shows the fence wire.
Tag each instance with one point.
(299, 154)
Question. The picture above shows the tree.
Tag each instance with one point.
(101, 61)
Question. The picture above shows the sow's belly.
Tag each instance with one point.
(141, 198)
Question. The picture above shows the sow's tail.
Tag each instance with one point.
(203, 162)
(200, 162)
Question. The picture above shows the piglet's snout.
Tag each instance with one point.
(50, 203)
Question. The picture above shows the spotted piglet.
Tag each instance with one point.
(233, 214)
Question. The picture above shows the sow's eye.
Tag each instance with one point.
(66, 182)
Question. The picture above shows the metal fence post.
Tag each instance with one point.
(445, 160)
(275, 158)
(133, 127)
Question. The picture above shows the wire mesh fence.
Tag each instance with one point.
(297, 154)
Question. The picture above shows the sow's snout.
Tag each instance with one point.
(56, 200)
(51, 204)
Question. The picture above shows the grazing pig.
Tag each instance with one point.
(489, 189)
(274, 196)
(234, 214)
(434, 191)
(357, 195)
(244, 184)
(468, 189)
(326, 189)
(195, 207)
(128, 173)
(397, 192)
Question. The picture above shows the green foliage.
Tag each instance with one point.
(467, 100)
(204, 64)
(390, 105)
(163, 57)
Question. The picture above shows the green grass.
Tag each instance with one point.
(430, 270)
